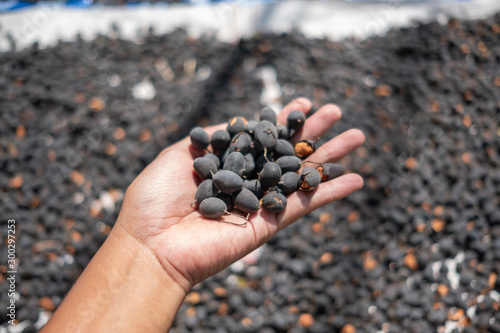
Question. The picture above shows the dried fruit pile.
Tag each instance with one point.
(254, 164)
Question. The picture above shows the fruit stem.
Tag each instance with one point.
(234, 223)
(311, 162)
(265, 154)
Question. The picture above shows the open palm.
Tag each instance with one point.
(158, 212)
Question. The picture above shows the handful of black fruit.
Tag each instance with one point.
(254, 165)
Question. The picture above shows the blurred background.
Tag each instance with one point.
(91, 92)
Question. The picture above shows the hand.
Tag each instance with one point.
(157, 208)
(161, 246)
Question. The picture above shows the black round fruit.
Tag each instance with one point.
(206, 189)
(265, 135)
(227, 181)
(309, 179)
(242, 142)
(212, 208)
(235, 162)
(236, 125)
(214, 158)
(282, 131)
(204, 167)
(284, 148)
(270, 174)
(289, 182)
(268, 114)
(199, 138)
(246, 201)
(289, 163)
(295, 121)
(273, 202)
(329, 171)
(220, 140)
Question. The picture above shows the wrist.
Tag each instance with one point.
(149, 285)
(129, 228)
(123, 289)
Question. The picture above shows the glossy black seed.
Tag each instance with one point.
(246, 201)
(212, 208)
(199, 138)
(289, 163)
(284, 148)
(236, 125)
(214, 158)
(329, 171)
(227, 200)
(268, 114)
(265, 135)
(289, 182)
(227, 181)
(220, 140)
(273, 202)
(250, 127)
(242, 142)
(282, 131)
(255, 186)
(235, 162)
(305, 148)
(249, 166)
(295, 121)
(204, 167)
(206, 189)
(309, 179)
(270, 174)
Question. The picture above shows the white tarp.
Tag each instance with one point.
(230, 20)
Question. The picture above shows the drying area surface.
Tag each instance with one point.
(417, 249)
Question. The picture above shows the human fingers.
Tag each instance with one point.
(338, 147)
(301, 203)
